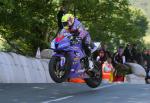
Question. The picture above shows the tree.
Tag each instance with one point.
(27, 25)
(113, 21)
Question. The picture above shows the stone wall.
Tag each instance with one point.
(16, 68)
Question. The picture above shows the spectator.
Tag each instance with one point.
(101, 56)
(137, 55)
(107, 70)
(134, 53)
(107, 53)
(119, 63)
(61, 12)
(148, 59)
(139, 58)
(119, 57)
(128, 53)
(145, 57)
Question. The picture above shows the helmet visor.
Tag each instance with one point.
(65, 24)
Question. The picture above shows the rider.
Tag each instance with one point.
(74, 26)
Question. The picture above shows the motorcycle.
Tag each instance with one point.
(70, 61)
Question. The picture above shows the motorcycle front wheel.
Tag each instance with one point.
(58, 74)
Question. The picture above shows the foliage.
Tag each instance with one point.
(25, 25)
(148, 46)
(111, 21)
(145, 6)
(28, 24)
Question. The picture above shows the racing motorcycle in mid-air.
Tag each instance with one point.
(70, 61)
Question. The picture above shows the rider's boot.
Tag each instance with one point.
(91, 48)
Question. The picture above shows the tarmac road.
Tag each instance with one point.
(74, 93)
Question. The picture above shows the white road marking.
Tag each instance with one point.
(67, 97)
(51, 97)
(58, 99)
(38, 88)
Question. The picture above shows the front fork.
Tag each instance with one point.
(62, 61)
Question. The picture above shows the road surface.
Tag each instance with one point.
(74, 93)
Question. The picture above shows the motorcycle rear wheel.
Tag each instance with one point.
(95, 76)
(147, 80)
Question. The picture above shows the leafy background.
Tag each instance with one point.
(145, 6)
(28, 24)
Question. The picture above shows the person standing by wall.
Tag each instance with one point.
(119, 56)
(108, 70)
(101, 58)
(148, 59)
(147, 65)
(145, 57)
(107, 53)
(128, 53)
(119, 61)
(61, 12)
(135, 54)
